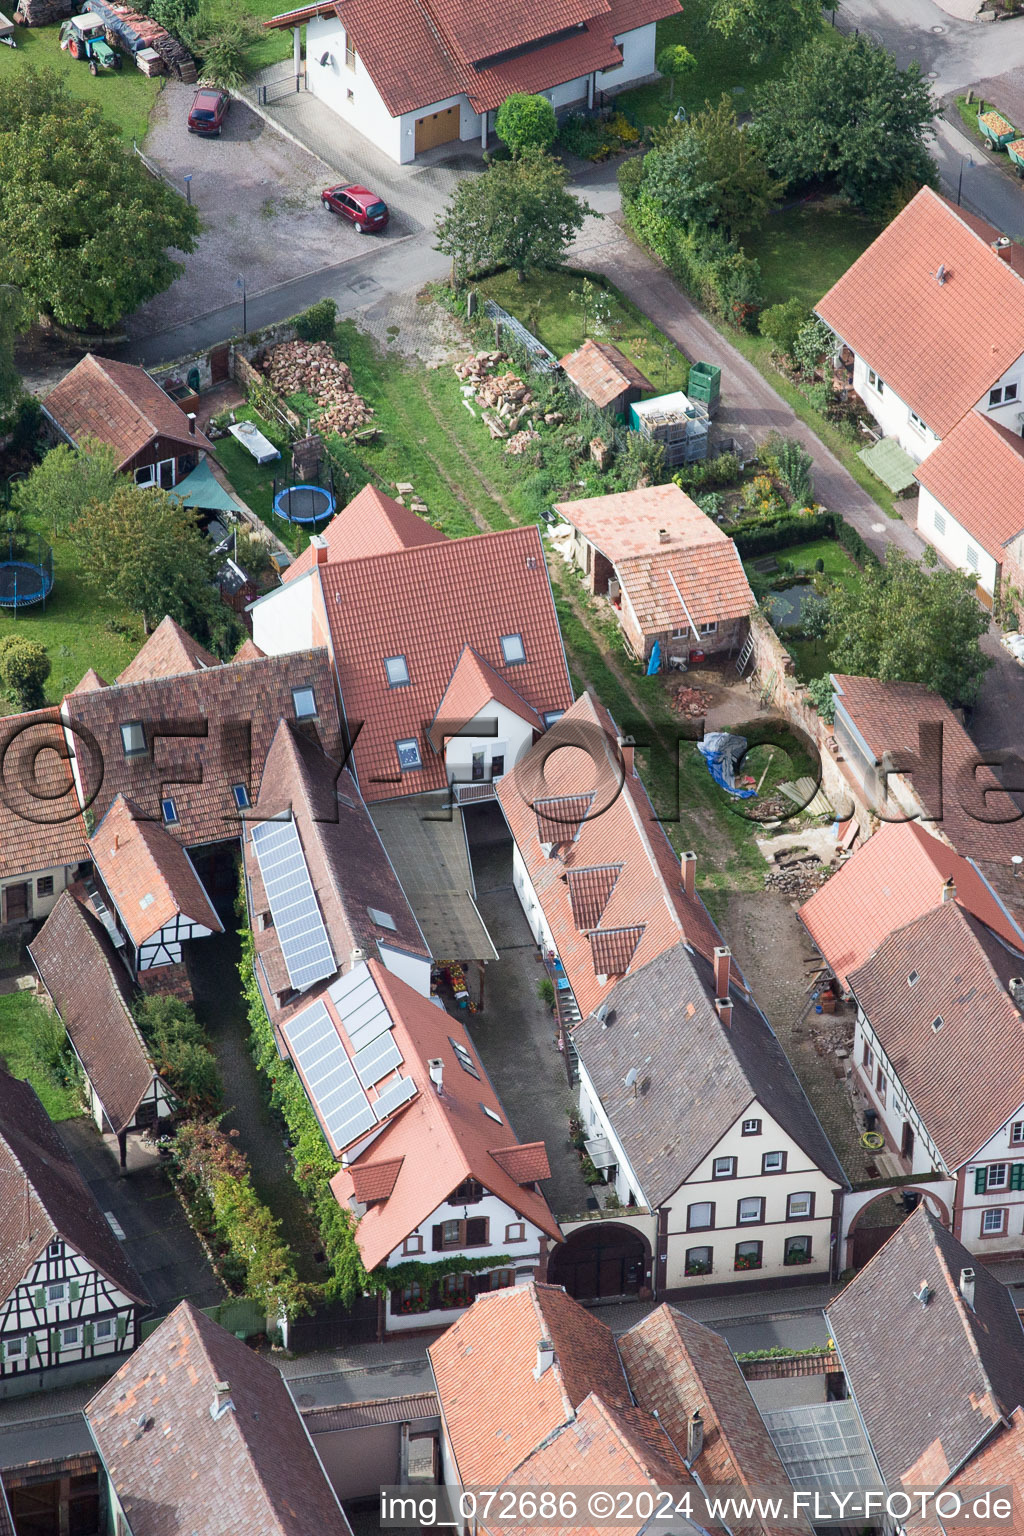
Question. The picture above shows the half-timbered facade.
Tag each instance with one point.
(69, 1295)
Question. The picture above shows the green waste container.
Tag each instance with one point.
(705, 383)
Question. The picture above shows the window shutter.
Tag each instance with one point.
(76, 1290)
(88, 1334)
(54, 1343)
(476, 1231)
(33, 1347)
(980, 1175)
(122, 1327)
(39, 1298)
(1017, 1176)
(438, 1239)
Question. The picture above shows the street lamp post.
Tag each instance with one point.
(964, 160)
(188, 188)
(240, 283)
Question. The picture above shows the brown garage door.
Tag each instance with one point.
(438, 128)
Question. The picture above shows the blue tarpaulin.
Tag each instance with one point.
(722, 753)
(654, 665)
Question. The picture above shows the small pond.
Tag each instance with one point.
(790, 608)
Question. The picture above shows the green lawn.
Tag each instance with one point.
(255, 482)
(20, 1014)
(126, 96)
(803, 250)
(544, 304)
(78, 628)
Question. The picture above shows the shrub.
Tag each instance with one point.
(814, 340)
(524, 120)
(795, 471)
(318, 321)
(709, 474)
(177, 1043)
(781, 324)
(24, 668)
(582, 136)
(223, 52)
(630, 178)
(546, 991)
(713, 268)
(819, 691)
(52, 1054)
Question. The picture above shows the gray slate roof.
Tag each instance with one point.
(701, 1075)
(927, 1379)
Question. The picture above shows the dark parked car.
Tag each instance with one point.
(208, 112)
(363, 208)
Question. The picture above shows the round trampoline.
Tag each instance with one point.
(304, 503)
(26, 571)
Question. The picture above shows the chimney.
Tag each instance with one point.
(688, 869)
(627, 748)
(949, 890)
(357, 956)
(545, 1358)
(723, 958)
(723, 1007)
(694, 1437)
(222, 1403)
(967, 1286)
(436, 1066)
(1016, 988)
(318, 544)
(191, 423)
(1002, 248)
(664, 537)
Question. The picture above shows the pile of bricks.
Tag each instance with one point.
(311, 368)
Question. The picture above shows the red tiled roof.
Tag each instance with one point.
(375, 1181)
(504, 24)
(89, 988)
(999, 1464)
(938, 345)
(371, 524)
(888, 716)
(589, 890)
(495, 1410)
(417, 57)
(896, 876)
(702, 561)
(439, 1139)
(560, 817)
(119, 404)
(977, 474)
(525, 1164)
(613, 949)
(41, 826)
(602, 373)
(427, 604)
(149, 876)
(253, 1469)
(966, 1078)
(168, 651)
(619, 828)
(474, 685)
(90, 682)
(248, 651)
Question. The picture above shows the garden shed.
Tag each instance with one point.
(605, 376)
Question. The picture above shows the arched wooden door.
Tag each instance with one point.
(600, 1260)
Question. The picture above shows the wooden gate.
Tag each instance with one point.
(220, 364)
(437, 128)
(865, 1243)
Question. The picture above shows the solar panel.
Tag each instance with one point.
(360, 1007)
(300, 928)
(331, 1081)
(375, 1060)
(394, 1094)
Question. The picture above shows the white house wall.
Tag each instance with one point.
(413, 969)
(27, 1314)
(801, 1175)
(530, 902)
(953, 541)
(892, 414)
(1009, 414)
(638, 52)
(596, 1123)
(348, 91)
(896, 1107)
(503, 733)
(283, 620)
(1000, 1149)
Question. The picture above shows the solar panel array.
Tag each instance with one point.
(360, 1006)
(330, 1076)
(300, 928)
(395, 1094)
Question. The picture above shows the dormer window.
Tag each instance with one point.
(550, 716)
(241, 796)
(133, 738)
(408, 754)
(513, 650)
(169, 811)
(304, 703)
(397, 671)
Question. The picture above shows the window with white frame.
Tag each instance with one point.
(14, 1349)
(710, 629)
(997, 1176)
(993, 1222)
(681, 634)
(916, 421)
(700, 1216)
(939, 519)
(56, 1293)
(869, 1058)
(169, 810)
(773, 1162)
(724, 1168)
(751, 1128)
(874, 381)
(513, 650)
(799, 1205)
(750, 1211)
(70, 1336)
(1017, 1133)
(241, 795)
(971, 556)
(408, 754)
(103, 1329)
(1002, 395)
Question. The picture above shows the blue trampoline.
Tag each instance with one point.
(304, 503)
(26, 570)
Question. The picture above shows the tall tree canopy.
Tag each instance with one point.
(709, 171)
(83, 227)
(843, 110)
(765, 24)
(63, 483)
(15, 316)
(519, 214)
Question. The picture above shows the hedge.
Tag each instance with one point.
(711, 267)
(761, 537)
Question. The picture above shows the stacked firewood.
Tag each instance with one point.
(311, 368)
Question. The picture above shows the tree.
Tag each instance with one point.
(225, 52)
(795, 465)
(675, 62)
(593, 304)
(525, 122)
(64, 483)
(842, 110)
(709, 172)
(901, 623)
(15, 316)
(519, 214)
(765, 24)
(83, 228)
(24, 668)
(781, 324)
(143, 551)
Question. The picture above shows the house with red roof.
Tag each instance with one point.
(674, 579)
(971, 506)
(935, 965)
(933, 315)
(415, 74)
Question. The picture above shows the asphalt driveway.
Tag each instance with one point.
(157, 1238)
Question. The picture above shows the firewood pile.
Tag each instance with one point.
(43, 13)
(691, 701)
(311, 368)
(796, 874)
(478, 367)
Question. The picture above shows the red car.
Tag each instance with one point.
(208, 112)
(363, 208)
